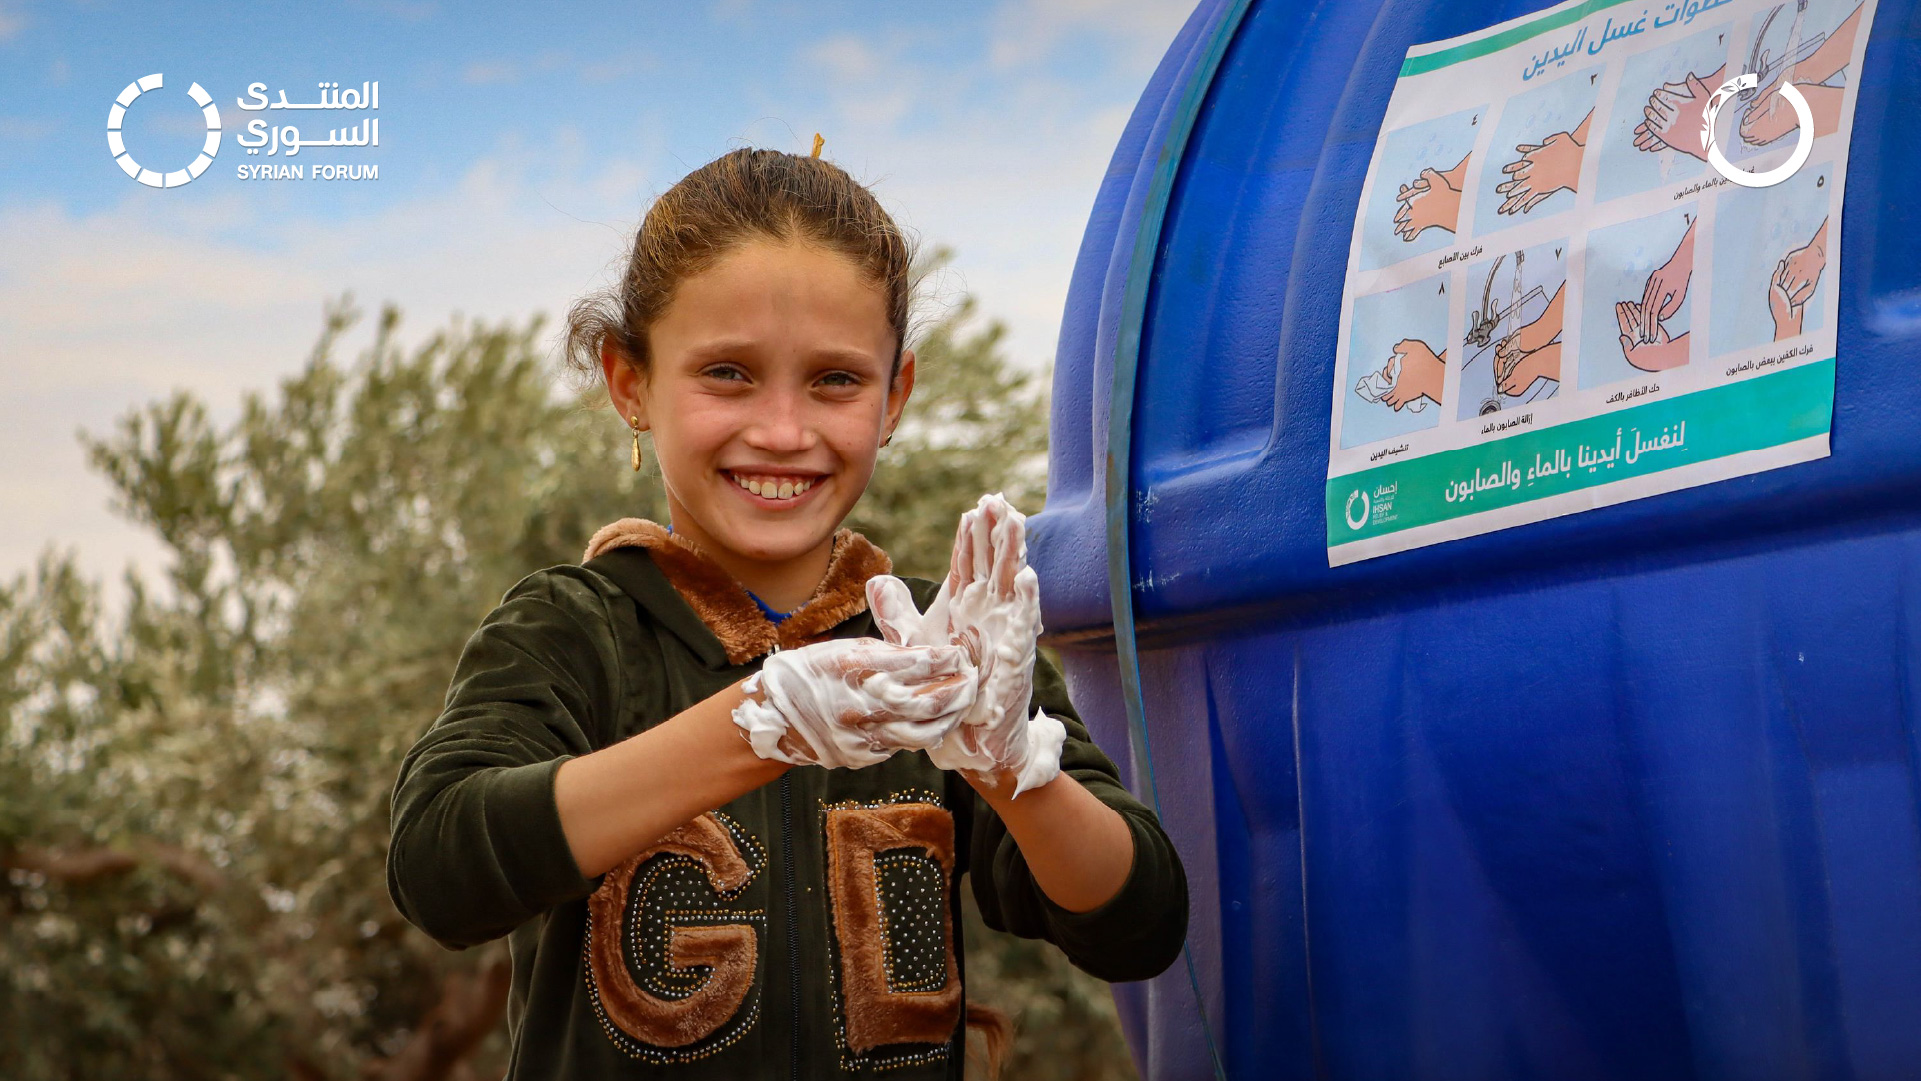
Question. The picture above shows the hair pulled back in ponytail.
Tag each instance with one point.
(739, 197)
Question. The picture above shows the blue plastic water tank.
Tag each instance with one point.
(1633, 793)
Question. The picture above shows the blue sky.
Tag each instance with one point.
(519, 145)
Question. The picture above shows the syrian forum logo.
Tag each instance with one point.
(149, 177)
(1803, 139)
(258, 138)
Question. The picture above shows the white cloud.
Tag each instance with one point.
(22, 129)
(490, 72)
(1026, 32)
(103, 312)
(844, 58)
(11, 23)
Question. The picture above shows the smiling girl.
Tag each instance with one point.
(719, 782)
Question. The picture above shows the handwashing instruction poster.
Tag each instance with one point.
(1561, 294)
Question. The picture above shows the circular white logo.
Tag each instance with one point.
(147, 176)
(1803, 138)
(1356, 521)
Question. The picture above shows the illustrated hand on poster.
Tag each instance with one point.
(1667, 287)
(1532, 352)
(1676, 114)
(1553, 164)
(1431, 201)
(1805, 264)
(1650, 354)
(1787, 314)
(1421, 373)
(1644, 341)
(1518, 371)
(1771, 116)
(1793, 282)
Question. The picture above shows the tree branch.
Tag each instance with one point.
(471, 1004)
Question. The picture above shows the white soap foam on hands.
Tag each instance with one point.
(1002, 625)
(897, 697)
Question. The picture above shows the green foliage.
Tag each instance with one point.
(193, 797)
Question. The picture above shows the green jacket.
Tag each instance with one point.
(807, 929)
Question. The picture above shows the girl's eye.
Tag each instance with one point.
(724, 371)
(840, 379)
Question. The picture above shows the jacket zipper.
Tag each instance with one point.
(793, 918)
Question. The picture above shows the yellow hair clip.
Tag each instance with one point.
(818, 143)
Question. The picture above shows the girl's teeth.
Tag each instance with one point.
(770, 489)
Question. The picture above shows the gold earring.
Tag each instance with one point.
(889, 439)
(634, 421)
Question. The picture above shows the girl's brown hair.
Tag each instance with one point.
(738, 197)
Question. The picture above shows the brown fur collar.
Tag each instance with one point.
(724, 604)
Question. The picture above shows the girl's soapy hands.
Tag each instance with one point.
(990, 605)
(854, 701)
